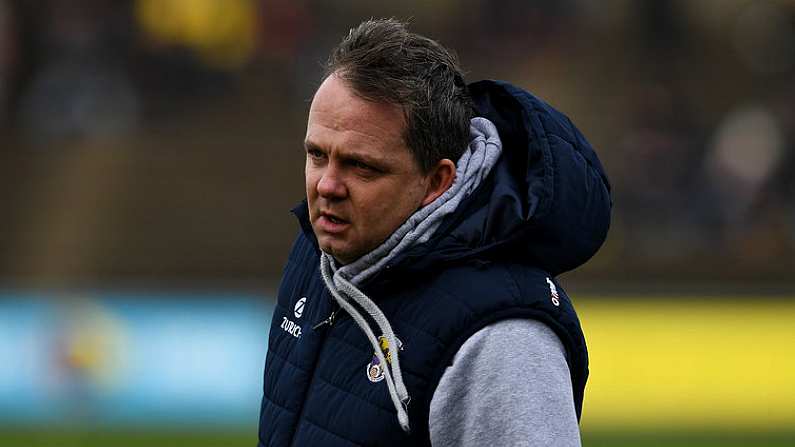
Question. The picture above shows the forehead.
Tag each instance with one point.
(339, 119)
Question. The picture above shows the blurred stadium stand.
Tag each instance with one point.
(150, 151)
(160, 140)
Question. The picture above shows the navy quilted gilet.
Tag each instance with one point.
(543, 210)
(317, 391)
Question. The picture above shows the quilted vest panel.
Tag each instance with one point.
(318, 389)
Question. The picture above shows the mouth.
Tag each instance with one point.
(334, 219)
(331, 224)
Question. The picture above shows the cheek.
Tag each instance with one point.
(387, 211)
(310, 180)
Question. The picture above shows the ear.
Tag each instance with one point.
(439, 180)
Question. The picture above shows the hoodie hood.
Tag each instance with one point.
(546, 202)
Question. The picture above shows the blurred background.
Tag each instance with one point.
(150, 151)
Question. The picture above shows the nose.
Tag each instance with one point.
(331, 184)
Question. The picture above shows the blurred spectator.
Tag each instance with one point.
(744, 153)
(7, 57)
(764, 37)
(79, 85)
(657, 182)
(284, 28)
(777, 197)
(68, 98)
(220, 32)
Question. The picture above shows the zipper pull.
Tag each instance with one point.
(329, 321)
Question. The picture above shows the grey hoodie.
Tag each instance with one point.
(472, 405)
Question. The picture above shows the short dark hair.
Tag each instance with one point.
(382, 61)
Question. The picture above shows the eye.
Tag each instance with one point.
(360, 165)
(314, 153)
(365, 168)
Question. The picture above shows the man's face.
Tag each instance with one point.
(362, 182)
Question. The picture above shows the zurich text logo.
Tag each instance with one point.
(291, 327)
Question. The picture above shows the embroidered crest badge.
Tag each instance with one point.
(375, 370)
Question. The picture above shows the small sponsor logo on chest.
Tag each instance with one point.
(299, 307)
(291, 327)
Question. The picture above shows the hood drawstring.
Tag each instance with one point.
(344, 292)
(471, 169)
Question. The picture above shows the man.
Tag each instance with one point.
(419, 305)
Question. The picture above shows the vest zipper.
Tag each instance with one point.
(328, 321)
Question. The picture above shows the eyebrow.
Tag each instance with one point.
(310, 145)
(375, 161)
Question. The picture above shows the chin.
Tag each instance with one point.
(333, 249)
(341, 256)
